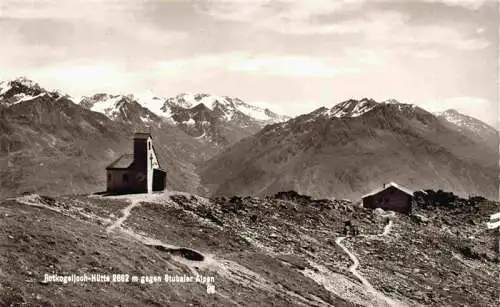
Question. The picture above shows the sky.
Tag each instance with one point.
(290, 56)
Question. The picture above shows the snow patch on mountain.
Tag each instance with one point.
(151, 102)
(253, 111)
(22, 89)
(4, 87)
(464, 121)
(350, 108)
(453, 116)
(391, 101)
(401, 106)
(25, 97)
(108, 105)
(228, 107)
(25, 83)
(211, 101)
(220, 109)
(183, 100)
(357, 108)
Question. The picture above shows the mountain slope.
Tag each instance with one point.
(351, 148)
(474, 128)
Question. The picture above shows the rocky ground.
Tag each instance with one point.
(278, 250)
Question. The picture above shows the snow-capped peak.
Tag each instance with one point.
(184, 100)
(189, 100)
(449, 114)
(351, 108)
(25, 82)
(21, 89)
(228, 108)
(392, 101)
(106, 104)
(150, 101)
(256, 112)
(356, 108)
(18, 85)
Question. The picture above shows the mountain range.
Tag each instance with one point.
(354, 147)
(51, 142)
(220, 120)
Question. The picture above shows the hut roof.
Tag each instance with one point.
(123, 162)
(142, 135)
(386, 186)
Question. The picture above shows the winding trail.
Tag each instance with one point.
(136, 201)
(125, 214)
(228, 269)
(380, 298)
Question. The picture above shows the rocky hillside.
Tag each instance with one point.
(50, 144)
(288, 249)
(219, 120)
(350, 149)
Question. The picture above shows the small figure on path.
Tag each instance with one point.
(346, 230)
(350, 228)
(355, 230)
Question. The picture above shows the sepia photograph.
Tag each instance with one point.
(249, 153)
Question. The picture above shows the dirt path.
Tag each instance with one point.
(228, 269)
(380, 299)
(125, 214)
(191, 260)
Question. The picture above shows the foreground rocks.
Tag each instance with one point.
(278, 250)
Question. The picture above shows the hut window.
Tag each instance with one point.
(109, 177)
(149, 145)
(125, 177)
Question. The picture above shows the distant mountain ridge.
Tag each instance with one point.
(470, 126)
(220, 120)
